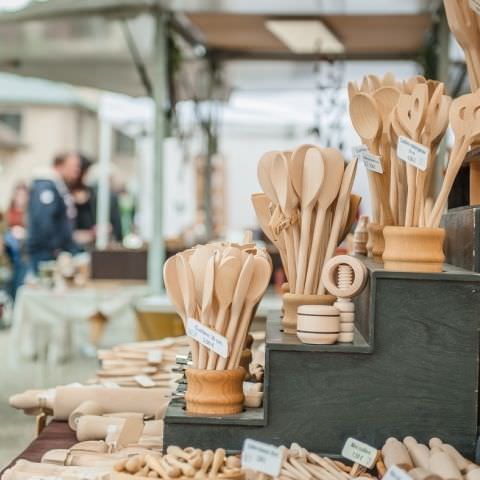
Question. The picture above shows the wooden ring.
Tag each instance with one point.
(359, 276)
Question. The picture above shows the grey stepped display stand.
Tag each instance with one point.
(411, 370)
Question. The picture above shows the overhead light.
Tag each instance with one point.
(306, 36)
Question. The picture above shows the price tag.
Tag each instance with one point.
(154, 356)
(359, 150)
(412, 152)
(207, 337)
(475, 6)
(144, 381)
(371, 162)
(359, 452)
(262, 457)
(396, 473)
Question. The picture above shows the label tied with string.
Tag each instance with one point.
(371, 162)
(207, 337)
(412, 152)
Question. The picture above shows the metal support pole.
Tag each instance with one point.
(156, 252)
(103, 195)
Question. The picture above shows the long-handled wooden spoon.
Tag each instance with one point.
(333, 171)
(313, 176)
(238, 301)
(207, 300)
(342, 204)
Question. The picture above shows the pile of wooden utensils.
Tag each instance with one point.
(178, 463)
(306, 209)
(440, 461)
(219, 285)
(464, 23)
(382, 110)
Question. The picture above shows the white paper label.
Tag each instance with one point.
(396, 473)
(359, 452)
(358, 150)
(154, 356)
(207, 337)
(144, 381)
(371, 162)
(475, 6)
(262, 457)
(412, 152)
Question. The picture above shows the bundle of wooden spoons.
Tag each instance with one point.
(218, 285)
(178, 463)
(306, 209)
(434, 461)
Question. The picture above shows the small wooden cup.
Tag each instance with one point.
(318, 324)
(414, 249)
(291, 302)
(214, 392)
(376, 242)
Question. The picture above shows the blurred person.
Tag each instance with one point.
(51, 211)
(15, 236)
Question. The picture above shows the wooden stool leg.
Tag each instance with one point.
(98, 322)
(40, 422)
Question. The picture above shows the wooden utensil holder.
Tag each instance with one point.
(414, 249)
(291, 302)
(214, 392)
(318, 324)
(376, 242)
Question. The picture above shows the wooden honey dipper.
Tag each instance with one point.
(345, 276)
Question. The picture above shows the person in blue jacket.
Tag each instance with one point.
(51, 211)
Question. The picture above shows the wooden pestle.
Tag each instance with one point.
(419, 453)
(419, 473)
(395, 453)
(460, 461)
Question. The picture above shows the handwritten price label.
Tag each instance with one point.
(412, 152)
(262, 457)
(359, 452)
(371, 162)
(207, 337)
(395, 473)
(475, 6)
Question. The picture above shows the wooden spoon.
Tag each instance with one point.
(333, 171)
(349, 219)
(465, 122)
(264, 168)
(313, 175)
(288, 202)
(238, 301)
(295, 167)
(207, 299)
(342, 204)
(262, 271)
(226, 276)
(172, 286)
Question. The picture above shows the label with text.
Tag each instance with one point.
(144, 381)
(412, 152)
(371, 162)
(207, 337)
(262, 457)
(396, 473)
(475, 6)
(359, 452)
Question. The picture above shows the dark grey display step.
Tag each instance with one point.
(412, 370)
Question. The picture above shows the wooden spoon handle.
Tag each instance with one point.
(303, 250)
(313, 264)
(411, 177)
(240, 337)
(219, 326)
(290, 250)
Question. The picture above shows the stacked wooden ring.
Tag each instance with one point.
(318, 324)
(345, 277)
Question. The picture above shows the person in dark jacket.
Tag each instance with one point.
(51, 211)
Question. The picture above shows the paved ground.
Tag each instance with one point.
(17, 430)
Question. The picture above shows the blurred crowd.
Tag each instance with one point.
(56, 213)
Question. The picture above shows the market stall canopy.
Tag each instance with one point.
(107, 44)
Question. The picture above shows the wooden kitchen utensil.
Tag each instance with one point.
(333, 171)
(312, 181)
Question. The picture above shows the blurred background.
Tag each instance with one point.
(154, 114)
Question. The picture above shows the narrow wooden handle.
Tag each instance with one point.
(303, 250)
(313, 264)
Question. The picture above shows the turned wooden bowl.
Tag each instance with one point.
(214, 392)
(414, 249)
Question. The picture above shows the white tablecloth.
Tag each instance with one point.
(43, 318)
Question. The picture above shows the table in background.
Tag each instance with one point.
(43, 318)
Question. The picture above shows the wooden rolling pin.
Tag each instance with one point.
(395, 453)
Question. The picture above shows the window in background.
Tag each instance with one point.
(13, 120)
